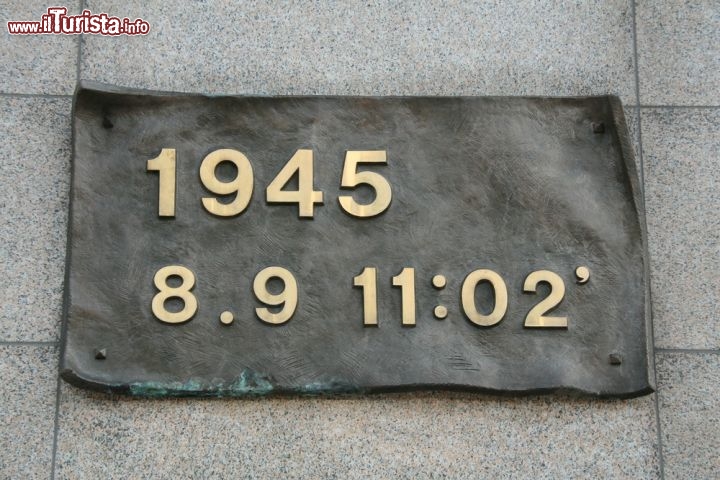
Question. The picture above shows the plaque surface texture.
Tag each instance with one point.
(240, 246)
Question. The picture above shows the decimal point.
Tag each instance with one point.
(439, 281)
(582, 274)
(440, 312)
(226, 318)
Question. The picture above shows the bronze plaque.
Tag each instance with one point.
(234, 246)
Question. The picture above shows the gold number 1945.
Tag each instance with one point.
(242, 185)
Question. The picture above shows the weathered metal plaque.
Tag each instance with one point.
(255, 245)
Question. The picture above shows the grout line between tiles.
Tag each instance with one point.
(661, 459)
(56, 429)
(637, 98)
(81, 38)
(689, 350)
(33, 95)
(638, 112)
(673, 107)
(56, 425)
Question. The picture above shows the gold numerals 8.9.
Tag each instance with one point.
(301, 163)
(287, 299)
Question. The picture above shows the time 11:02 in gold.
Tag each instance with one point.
(287, 298)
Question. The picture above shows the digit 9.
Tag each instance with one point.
(288, 297)
(241, 185)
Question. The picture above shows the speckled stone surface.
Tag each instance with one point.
(27, 410)
(689, 403)
(679, 52)
(430, 435)
(36, 63)
(682, 198)
(34, 183)
(384, 48)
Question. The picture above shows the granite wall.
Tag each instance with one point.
(661, 58)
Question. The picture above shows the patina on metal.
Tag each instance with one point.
(240, 246)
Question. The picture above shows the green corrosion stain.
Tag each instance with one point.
(166, 389)
(249, 383)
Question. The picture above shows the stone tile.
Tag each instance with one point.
(37, 63)
(679, 52)
(415, 48)
(428, 435)
(690, 414)
(34, 184)
(681, 181)
(27, 410)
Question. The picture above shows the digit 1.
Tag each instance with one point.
(406, 281)
(165, 164)
(368, 281)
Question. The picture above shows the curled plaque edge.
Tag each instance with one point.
(251, 384)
